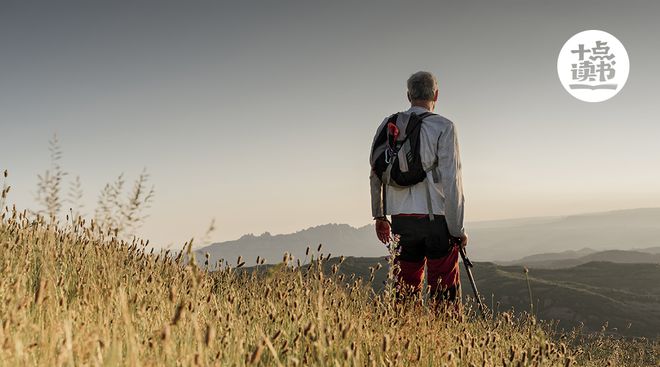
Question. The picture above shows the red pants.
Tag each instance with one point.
(425, 242)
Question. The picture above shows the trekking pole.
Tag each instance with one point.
(468, 264)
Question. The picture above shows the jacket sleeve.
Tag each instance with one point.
(449, 163)
(377, 207)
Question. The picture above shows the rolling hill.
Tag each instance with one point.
(613, 230)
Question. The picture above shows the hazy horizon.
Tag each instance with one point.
(478, 224)
(261, 114)
(491, 241)
(475, 222)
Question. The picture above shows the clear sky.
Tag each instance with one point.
(260, 113)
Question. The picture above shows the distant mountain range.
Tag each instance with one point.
(336, 239)
(501, 240)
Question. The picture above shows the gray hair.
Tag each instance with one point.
(422, 86)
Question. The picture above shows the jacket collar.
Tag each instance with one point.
(417, 110)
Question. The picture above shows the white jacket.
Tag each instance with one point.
(438, 144)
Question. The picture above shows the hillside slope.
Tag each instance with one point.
(626, 296)
(71, 296)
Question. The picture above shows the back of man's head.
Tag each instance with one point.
(422, 86)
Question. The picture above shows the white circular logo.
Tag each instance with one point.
(593, 66)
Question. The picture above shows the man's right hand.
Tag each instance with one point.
(463, 239)
(383, 230)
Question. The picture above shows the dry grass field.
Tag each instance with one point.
(74, 295)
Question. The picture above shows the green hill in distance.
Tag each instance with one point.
(569, 259)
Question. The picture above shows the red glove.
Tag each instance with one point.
(383, 230)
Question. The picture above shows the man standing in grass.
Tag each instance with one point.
(426, 211)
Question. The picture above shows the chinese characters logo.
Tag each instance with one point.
(593, 66)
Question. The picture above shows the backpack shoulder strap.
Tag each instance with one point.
(429, 203)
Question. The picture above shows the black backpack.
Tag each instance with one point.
(397, 152)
